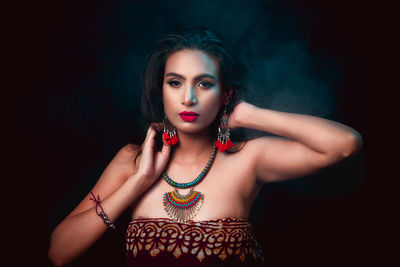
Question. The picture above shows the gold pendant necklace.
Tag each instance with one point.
(180, 207)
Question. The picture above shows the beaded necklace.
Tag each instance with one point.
(184, 207)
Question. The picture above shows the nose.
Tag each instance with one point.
(189, 98)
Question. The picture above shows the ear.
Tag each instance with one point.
(228, 95)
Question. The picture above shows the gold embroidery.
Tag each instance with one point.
(221, 237)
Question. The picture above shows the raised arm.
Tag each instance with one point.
(305, 144)
(119, 185)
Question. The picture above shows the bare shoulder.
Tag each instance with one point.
(114, 175)
(249, 150)
(254, 146)
(123, 164)
(127, 158)
(127, 154)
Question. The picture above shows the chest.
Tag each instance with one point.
(229, 189)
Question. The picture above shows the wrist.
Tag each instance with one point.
(245, 114)
(139, 182)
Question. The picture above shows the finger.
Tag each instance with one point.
(150, 135)
(165, 150)
(148, 144)
(148, 131)
(161, 158)
(147, 136)
(158, 126)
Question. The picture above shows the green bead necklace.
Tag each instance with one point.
(184, 207)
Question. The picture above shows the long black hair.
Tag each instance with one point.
(231, 70)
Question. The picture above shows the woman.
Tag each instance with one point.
(191, 199)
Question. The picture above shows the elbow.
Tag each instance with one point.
(353, 144)
(57, 254)
(55, 258)
(58, 257)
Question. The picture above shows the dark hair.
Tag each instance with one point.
(231, 69)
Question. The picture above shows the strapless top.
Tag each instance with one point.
(217, 242)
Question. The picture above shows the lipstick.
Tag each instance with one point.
(188, 116)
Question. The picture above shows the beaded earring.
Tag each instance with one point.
(169, 135)
(223, 139)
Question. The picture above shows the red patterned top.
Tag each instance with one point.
(165, 242)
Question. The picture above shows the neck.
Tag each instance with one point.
(192, 147)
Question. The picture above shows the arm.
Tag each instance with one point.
(309, 144)
(118, 188)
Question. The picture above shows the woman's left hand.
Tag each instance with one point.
(239, 115)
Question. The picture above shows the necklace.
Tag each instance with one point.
(184, 207)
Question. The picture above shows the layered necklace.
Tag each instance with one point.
(180, 207)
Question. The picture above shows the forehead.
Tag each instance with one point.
(191, 62)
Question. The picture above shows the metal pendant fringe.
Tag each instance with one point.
(169, 135)
(224, 142)
(183, 208)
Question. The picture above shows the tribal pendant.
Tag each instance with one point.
(223, 139)
(183, 208)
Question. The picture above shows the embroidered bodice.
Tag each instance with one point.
(165, 242)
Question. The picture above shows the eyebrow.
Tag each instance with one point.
(200, 76)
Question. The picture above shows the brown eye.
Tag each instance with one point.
(174, 83)
(206, 84)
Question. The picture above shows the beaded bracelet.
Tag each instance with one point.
(102, 214)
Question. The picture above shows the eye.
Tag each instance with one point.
(206, 84)
(174, 83)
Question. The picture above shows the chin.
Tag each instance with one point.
(192, 128)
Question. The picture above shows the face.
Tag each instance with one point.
(191, 90)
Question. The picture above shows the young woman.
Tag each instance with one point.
(191, 199)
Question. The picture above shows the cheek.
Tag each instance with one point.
(216, 99)
(167, 99)
(212, 105)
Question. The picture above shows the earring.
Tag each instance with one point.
(169, 136)
(223, 140)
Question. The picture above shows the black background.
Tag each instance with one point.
(58, 45)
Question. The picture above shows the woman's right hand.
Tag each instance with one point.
(82, 228)
(151, 163)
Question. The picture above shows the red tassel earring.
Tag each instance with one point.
(169, 136)
(223, 140)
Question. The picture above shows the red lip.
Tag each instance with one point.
(189, 115)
